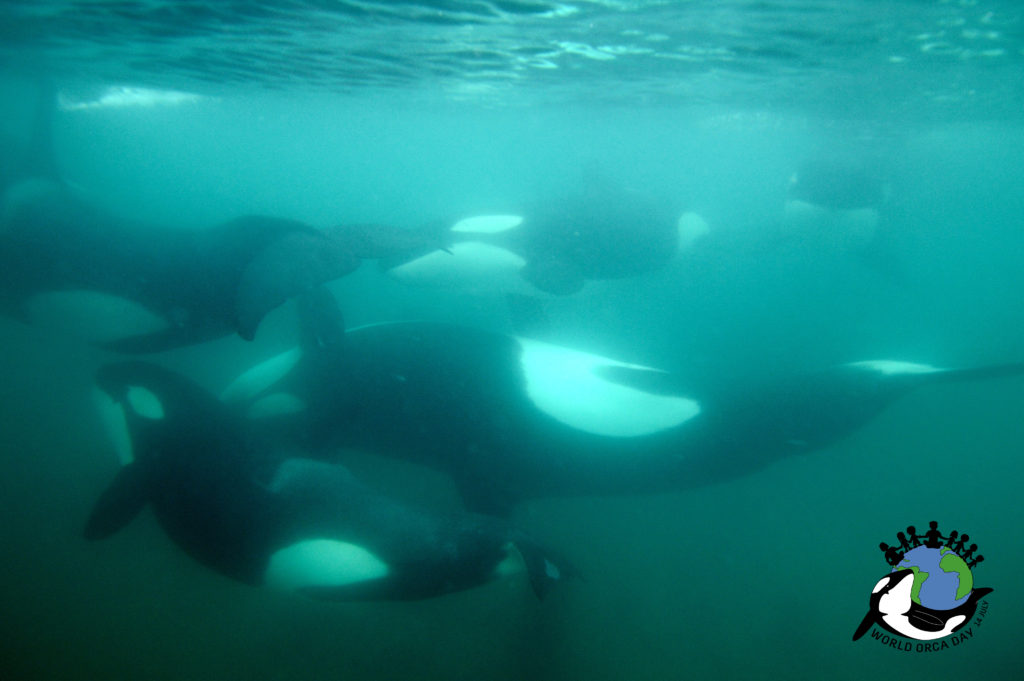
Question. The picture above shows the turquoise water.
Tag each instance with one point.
(411, 113)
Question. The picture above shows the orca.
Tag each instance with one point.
(892, 608)
(552, 247)
(834, 202)
(135, 287)
(281, 520)
(511, 418)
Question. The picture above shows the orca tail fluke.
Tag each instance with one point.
(978, 594)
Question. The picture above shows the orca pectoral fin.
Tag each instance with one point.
(925, 620)
(119, 503)
(287, 267)
(865, 624)
(542, 567)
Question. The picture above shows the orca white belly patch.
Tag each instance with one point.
(467, 266)
(92, 316)
(254, 381)
(890, 367)
(565, 384)
(112, 418)
(487, 224)
(144, 403)
(322, 563)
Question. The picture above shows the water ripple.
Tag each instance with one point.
(778, 52)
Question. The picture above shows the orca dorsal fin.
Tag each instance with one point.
(119, 504)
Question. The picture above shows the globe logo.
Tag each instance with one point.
(942, 580)
(929, 594)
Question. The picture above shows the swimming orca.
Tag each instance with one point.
(837, 183)
(893, 609)
(834, 202)
(511, 418)
(260, 518)
(554, 247)
(135, 287)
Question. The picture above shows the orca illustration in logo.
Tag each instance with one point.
(930, 592)
(893, 609)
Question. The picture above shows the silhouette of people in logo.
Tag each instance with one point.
(958, 546)
(892, 556)
(933, 538)
(914, 541)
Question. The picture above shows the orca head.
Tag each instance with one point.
(478, 254)
(140, 388)
(137, 400)
(891, 594)
(154, 417)
(838, 183)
